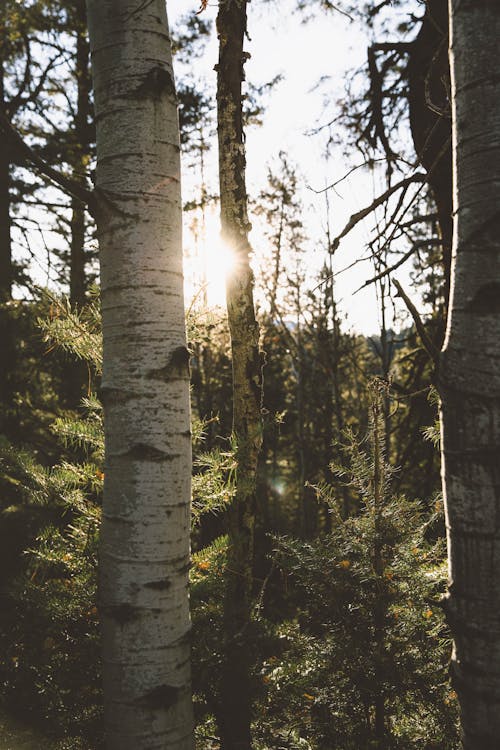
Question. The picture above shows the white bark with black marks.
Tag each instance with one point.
(144, 556)
(470, 373)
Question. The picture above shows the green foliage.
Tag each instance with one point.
(49, 633)
(49, 624)
(338, 620)
(78, 333)
(213, 488)
(49, 629)
(367, 647)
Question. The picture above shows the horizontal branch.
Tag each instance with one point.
(26, 153)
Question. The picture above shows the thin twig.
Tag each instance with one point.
(360, 215)
(398, 263)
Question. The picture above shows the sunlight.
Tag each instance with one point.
(208, 263)
(220, 264)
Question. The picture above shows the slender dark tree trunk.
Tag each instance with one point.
(379, 427)
(234, 719)
(430, 117)
(81, 155)
(6, 274)
(6, 269)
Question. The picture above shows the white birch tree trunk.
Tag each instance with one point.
(470, 373)
(144, 555)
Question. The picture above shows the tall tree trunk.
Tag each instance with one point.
(80, 159)
(234, 721)
(144, 556)
(470, 374)
(428, 79)
(81, 156)
(6, 271)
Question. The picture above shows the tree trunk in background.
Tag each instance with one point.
(77, 375)
(6, 270)
(470, 374)
(428, 78)
(144, 556)
(234, 721)
(81, 156)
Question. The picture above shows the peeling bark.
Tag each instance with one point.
(470, 374)
(144, 555)
(234, 719)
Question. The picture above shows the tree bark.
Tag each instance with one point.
(80, 156)
(7, 354)
(6, 271)
(144, 555)
(235, 716)
(428, 96)
(470, 374)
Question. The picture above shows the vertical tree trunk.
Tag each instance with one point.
(470, 374)
(77, 375)
(6, 270)
(144, 555)
(80, 156)
(247, 378)
(6, 273)
(378, 419)
(428, 80)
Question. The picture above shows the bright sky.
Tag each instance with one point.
(329, 45)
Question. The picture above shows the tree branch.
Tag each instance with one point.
(360, 215)
(27, 154)
(428, 345)
(416, 245)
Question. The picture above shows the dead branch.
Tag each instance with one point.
(360, 215)
(428, 345)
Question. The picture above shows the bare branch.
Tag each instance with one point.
(403, 259)
(367, 163)
(428, 345)
(360, 215)
(27, 154)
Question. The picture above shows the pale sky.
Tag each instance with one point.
(329, 45)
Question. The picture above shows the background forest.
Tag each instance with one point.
(346, 645)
